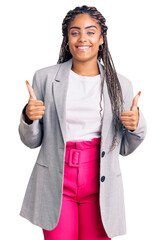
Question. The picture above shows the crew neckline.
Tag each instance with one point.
(84, 77)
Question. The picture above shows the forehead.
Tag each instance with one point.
(84, 20)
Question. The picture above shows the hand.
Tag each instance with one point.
(130, 119)
(35, 108)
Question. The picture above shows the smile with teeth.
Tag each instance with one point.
(83, 47)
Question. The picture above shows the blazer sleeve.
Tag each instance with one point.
(31, 134)
(132, 139)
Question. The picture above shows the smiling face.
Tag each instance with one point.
(84, 38)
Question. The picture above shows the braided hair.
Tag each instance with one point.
(113, 84)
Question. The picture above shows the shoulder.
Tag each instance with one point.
(54, 69)
(43, 77)
(125, 83)
(49, 70)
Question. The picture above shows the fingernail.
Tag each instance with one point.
(139, 93)
(27, 82)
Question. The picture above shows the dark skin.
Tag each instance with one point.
(84, 39)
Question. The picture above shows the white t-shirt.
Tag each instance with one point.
(83, 118)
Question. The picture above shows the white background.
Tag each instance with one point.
(30, 39)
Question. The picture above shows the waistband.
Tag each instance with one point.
(85, 144)
(79, 153)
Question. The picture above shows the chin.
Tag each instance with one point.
(84, 58)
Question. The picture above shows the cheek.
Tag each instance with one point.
(96, 46)
(72, 43)
(96, 42)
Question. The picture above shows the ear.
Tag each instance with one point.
(101, 40)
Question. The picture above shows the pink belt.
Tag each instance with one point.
(88, 152)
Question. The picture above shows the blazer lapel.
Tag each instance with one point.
(60, 87)
(107, 126)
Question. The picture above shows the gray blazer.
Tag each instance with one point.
(43, 197)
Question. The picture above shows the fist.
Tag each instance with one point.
(130, 119)
(35, 108)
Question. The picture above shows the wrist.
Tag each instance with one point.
(27, 120)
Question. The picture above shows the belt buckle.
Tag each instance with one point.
(74, 157)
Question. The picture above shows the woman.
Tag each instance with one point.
(83, 115)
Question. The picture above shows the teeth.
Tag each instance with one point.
(83, 47)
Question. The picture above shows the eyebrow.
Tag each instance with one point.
(85, 27)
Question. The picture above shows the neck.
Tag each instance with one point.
(87, 68)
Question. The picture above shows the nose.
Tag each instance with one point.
(82, 38)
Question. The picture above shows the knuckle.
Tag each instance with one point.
(41, 102)
(32, 101)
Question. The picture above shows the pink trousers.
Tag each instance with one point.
(80, 217)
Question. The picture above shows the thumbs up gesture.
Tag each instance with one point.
(35, 108)
(130, 118)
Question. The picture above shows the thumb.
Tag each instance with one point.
(135, 101)
(31, 91)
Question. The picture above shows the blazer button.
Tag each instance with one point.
(103, 153)
(102, 178)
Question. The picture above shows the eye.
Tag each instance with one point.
(91, 33)
(74, 33)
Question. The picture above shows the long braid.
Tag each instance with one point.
(113, 84)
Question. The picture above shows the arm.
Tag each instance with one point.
(31, 133)
(131, 139)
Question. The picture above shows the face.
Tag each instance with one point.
(84, 37)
